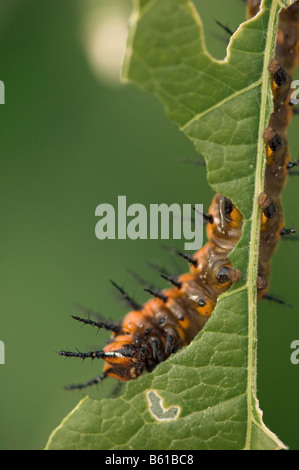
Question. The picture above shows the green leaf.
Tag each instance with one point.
(204, 396)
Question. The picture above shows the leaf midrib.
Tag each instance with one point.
(255, 230)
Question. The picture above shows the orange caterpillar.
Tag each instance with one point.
(149, 334)
(163, 325)
(278, 163)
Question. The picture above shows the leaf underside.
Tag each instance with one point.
(204, 396)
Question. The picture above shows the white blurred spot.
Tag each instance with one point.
(106, 34)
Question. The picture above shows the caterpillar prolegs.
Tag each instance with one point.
(150, 333)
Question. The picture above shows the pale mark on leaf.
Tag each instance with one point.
(158, 411)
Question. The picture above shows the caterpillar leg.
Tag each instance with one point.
(130, 301)
(94, 381)
(107, 325)
(287, 231)
(116, 390)
(276, 300)
(292, 164)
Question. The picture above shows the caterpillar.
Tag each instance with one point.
(150, 333)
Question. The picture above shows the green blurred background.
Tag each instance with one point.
(72, 137)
